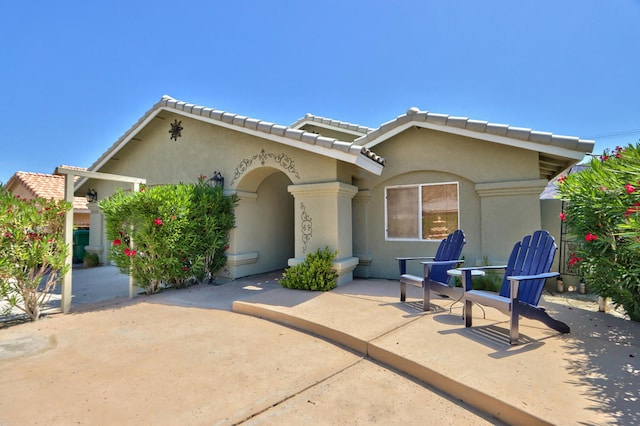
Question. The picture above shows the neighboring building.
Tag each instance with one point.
(319, 183)
(38, 185)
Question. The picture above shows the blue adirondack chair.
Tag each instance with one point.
(435, 277)
(525, 274)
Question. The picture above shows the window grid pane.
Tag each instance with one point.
(402, 212)
(439, 210)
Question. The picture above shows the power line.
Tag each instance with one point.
(615, 134)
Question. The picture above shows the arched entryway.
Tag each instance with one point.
(263, 239)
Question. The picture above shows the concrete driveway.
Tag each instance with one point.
(183, 358)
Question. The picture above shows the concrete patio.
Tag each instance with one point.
(434, 370)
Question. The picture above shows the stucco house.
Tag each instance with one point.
(371, 194)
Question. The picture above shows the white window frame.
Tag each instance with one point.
(419, 216)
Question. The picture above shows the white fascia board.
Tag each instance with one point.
(121, 144)
(369, 165)
(329, 126)
(518, 143)
(347, 157)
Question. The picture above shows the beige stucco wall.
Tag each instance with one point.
(498, 199)
(260, 171)
(294, 201)
(264, 238)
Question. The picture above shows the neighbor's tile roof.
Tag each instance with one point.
(453, 123)
(47, 186)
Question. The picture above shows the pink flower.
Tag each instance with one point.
(561, 179)
(574, 260)
(117, 242)
(129, 252)
(563, 216)
(629, 188)
(185, 268)
(590, 237)
(158, 221)
(633, 209)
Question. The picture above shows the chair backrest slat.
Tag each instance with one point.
(533, 255)
(449, 249)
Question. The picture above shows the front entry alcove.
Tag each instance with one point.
(263, 239)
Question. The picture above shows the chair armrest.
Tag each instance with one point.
(470, 268)
(443, 262)
(533, 277)
(466, 274)
(402, 262)
(414, 258)
(515, 280)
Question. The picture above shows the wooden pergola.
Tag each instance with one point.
(69, 181)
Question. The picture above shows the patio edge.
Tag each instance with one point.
(459, 391)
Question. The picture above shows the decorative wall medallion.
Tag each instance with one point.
(306, 227)
(282, 160)
(176, 129)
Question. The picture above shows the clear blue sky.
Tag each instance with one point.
(75, 75)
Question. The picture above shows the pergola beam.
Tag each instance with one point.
(70, 174)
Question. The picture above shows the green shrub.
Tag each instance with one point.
(491, 281)
(314, 273)
(603, 212)
(91, 260)
(169, 235)
(32, 251)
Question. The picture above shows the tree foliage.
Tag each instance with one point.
(169, 235)
(32, 251)
(603, 212)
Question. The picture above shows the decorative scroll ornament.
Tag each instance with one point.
(176, 129)
(282, 160)
(306, 227)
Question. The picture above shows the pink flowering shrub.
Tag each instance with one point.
(603, 211)
(169, 235)
(32, 251)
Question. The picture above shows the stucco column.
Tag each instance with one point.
(518, 203)
(323, 217)
(361, 247)
(240, 256)
(96, 231)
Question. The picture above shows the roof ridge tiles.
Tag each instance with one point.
(289, 132)
(333, 123)
(414, 114)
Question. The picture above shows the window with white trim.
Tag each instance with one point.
(421, 212)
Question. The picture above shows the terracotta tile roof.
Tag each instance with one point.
(47, 186)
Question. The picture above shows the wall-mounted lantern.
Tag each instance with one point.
(217, 180)
(92, 196)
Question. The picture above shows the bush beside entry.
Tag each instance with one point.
(169, 235)
(314, 273)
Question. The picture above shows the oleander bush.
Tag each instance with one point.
(314, 273)
(169, 235)
(603, 212)
(32, 251)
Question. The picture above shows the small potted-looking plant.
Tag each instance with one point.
(90, 260)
